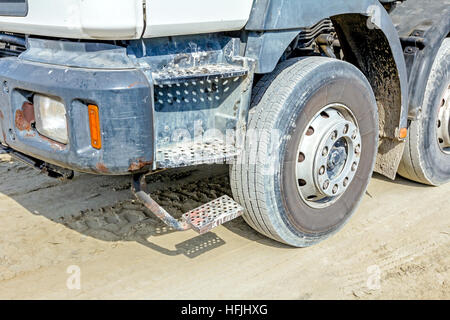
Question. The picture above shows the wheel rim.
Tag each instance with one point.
(443, 123)
(328, 156)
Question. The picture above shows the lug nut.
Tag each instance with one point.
(322, 170)
(354, 166)
(335, 189)
(326, 184)
(325, 151)
(358, 149)
(333, 135)
(354, 135)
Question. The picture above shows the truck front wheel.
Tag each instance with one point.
(309, 152)
(426, 158)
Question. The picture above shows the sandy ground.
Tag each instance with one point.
(396, 246)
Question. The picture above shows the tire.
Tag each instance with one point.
(424, 160)
(262, 178)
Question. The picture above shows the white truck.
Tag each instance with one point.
(304, 99)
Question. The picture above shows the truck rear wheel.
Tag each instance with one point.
(426, 158)
(309, 152)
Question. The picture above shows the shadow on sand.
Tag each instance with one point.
(104, 208)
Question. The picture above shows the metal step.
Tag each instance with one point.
(201, 219)
(193, 153)
(213, 214)
(169, 76)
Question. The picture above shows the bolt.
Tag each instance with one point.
(5, 87)
(11, 134)
(326, 184)
(354, 166)
(325, 151)
(354, 135)
(358, 149)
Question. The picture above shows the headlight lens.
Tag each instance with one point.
(51, 118)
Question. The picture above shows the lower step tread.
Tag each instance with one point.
(213, 214)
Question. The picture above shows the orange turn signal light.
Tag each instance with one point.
(94, 125)
(403, 133)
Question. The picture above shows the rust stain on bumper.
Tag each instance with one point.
(136, 83)
(24, 117)
(101, 167)
(139, 164)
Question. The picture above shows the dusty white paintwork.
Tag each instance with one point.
(124, 19)
(178, 17)
(107, 19)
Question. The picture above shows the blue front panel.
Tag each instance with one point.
(125, 108)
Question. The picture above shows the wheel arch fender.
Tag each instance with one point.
(420, 62)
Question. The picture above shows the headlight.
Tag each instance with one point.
(51, 118)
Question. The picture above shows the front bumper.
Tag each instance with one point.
(162, 103)
(125, 109)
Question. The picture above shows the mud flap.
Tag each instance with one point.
(390, 153)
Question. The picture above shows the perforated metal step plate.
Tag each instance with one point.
(170, 76)
(213, 214)
(190, 154)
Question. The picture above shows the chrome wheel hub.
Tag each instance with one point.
(443, 123)
(328, 156)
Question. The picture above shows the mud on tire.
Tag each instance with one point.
(263, 178)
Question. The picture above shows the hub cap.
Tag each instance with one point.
(328, 156)
(443, 123)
